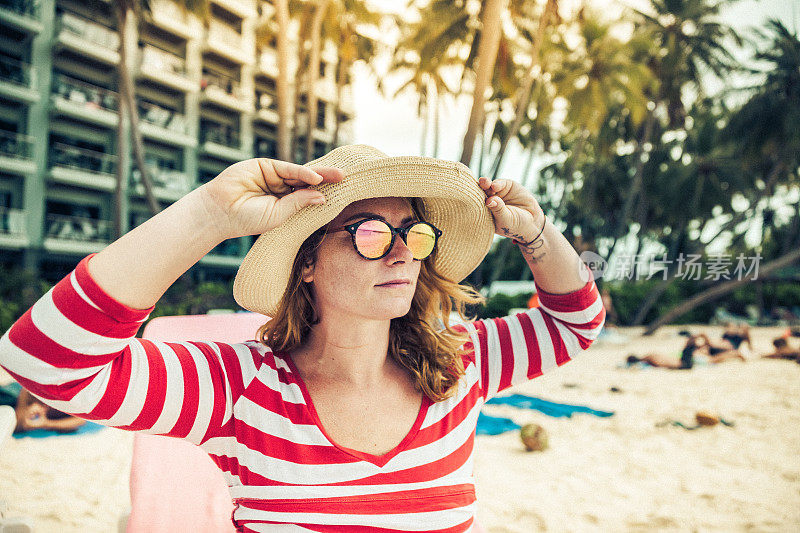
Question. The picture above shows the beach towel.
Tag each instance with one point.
(545, 406)
(494, 425)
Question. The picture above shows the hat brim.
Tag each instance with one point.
(453, 200)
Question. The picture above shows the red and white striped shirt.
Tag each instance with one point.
(248, 407)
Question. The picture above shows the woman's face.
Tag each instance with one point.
(344, 283)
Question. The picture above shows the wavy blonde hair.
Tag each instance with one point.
(422, 341)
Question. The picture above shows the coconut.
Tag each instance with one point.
(704, 418)
(534, 437)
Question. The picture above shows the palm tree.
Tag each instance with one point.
(602, 74)
(128, 12)
(764, 131)
(687, 41)
(489, 41)
(523, 97)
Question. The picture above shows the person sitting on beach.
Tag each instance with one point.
(350, 409)
(696, 346)
(32, 414)
(783, 350)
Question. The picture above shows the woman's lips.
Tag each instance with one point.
(394, 284)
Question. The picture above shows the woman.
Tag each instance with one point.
(350, 411)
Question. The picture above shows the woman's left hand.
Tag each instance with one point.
(516, 212)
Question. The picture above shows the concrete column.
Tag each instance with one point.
(35, 185)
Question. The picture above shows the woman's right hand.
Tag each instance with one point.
(257, 195)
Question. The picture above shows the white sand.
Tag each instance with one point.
(600, 474)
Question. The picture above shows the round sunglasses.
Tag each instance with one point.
(373, 238)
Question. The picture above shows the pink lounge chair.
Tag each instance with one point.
(175, 482)
(172, 481)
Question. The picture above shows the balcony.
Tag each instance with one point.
(16, 153)
(87, 38)
(224, 91)
(24, 15)
(226, 42)
(164, 68)
(222, 142)
(76, 235)
(82, 167)
(326, 89)
(165, 125)
(83, 101)
(169, 183)
(13, 232)
(266, 107)
(170, 17)
(226, 254)
(346, 105)
(240, 8)
(17, 80)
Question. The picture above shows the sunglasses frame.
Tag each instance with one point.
(403, 232)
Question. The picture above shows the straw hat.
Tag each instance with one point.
(453, 200)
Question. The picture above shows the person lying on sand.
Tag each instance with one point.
(33, 414)
(696, 345)
(783, 350)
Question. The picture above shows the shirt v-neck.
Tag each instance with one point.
(378, 460)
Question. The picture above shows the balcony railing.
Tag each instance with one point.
(224, 135)
(83, 159)
(219, 31)
(78, 228)
(16, 145)
(160, 59)
(15, 71)
(12, 221)
(86, 94)
(227, 248)
(164, 175)
(266, 100)
(217, 81)
(27, 8)
(162, 117)
(89, 30)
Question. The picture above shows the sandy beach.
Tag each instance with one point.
(621, 473)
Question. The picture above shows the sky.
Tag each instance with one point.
(392, 124)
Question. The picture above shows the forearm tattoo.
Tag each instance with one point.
(528, 248)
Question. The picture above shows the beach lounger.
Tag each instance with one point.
(172, 481)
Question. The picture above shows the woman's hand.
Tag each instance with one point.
(257, 195)
(516, 212)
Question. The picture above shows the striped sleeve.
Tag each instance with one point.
(76, 350)
(510, 350)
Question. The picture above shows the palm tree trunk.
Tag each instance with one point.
(570, 169)
(436, 113)
(284, 104)
(300, 75)
(122, 164)
(720, 290)
(525, 92)
(341, 69)
(526, 174)
(423, 112)
(487, 54)
(127, 91)
(636, 184)
(652, 297)
(313, 71)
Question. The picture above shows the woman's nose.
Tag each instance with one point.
(400, 251)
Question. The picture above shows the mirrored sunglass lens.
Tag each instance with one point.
(421, 240)
(373, 238)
